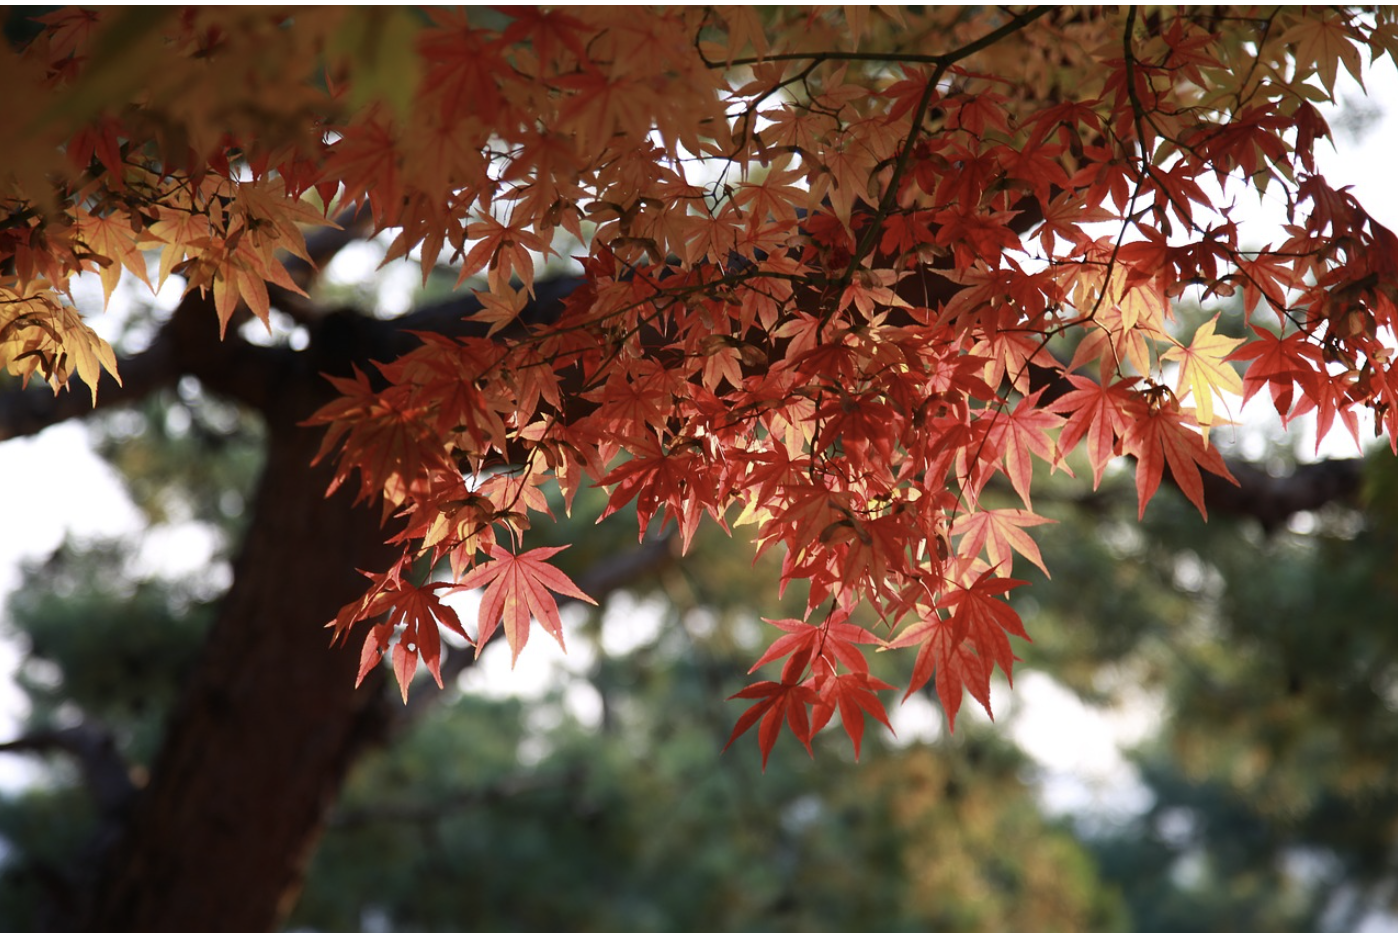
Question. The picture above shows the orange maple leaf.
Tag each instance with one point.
(505, 249)
(117, 245)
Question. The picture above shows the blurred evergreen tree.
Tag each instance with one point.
(486, 814)
(1274, 804)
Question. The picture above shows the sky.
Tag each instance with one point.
(64, 489)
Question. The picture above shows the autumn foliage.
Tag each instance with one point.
(842, 273)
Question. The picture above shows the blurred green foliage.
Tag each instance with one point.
(605, 803)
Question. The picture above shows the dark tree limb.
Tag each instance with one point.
(1272, 500)
(106, 776)
(189, 344)
(270, 721)
(1269, 499)
(25, 412)
(105, 772)
(433, 811)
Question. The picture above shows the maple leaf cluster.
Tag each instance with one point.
(834, 260)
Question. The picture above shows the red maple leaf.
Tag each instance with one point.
(683, 481)
(853, 695)
(953, 662)
(1164, 436)
(1281, 363)
(983, 619)
(419, 610)
(517, 587)
(1099, 413)
(999, 532)
(804, 643)
(1022, 432)
(775, 703)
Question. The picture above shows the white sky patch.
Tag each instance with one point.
(55, 486)
(1078, 747)
(542, 668)
(184, 549)
(628, 623)
(916, 719)
(542, 665)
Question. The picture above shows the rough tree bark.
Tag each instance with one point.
(270, 721)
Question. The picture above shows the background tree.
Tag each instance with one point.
(449, 826)
(845, 339)
(1272, 801)
(629, 819)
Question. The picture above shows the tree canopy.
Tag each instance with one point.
(842, 274)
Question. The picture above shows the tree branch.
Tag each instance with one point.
(104, 770)
(1272, 500)
(944, 59)
(27, 411)
(1268, 498)
(432, 811)
(187, 344)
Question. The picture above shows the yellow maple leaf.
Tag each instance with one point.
(1203, 370)
(181, 232)
(83, 351)
(39, 334)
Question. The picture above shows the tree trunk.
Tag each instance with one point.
(269, 723)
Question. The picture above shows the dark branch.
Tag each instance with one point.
(25, 412)
(1268, 498)
(943, 60)
(433, 811)
(105, 772)
(1272, 500)
(189, 344)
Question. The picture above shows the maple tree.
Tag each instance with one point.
(841, 271)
